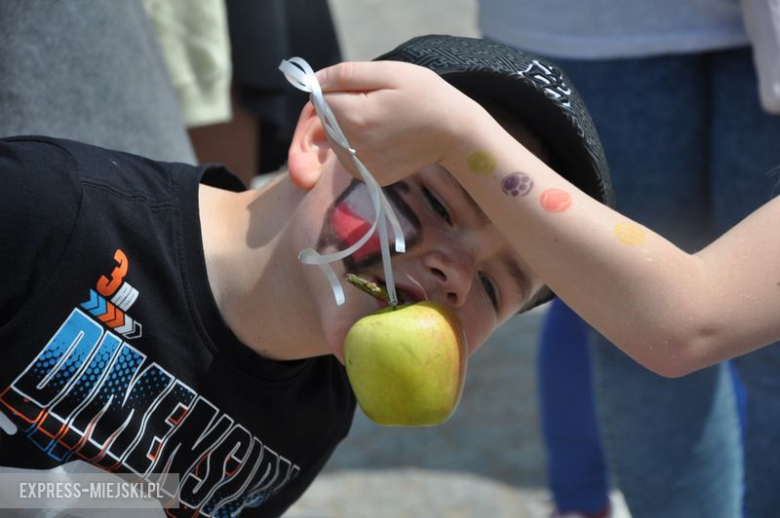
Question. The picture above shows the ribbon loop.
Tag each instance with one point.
(301, 76)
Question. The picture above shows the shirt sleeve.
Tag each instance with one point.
(39, 199)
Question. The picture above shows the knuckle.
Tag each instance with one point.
(347, 72)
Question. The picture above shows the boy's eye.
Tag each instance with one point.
(490, 289)
(436, 205)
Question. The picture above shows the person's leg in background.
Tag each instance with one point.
(576, 471)
(740, 400)
(266, 109)
(745, 163)
(232, 143)
(673, 444)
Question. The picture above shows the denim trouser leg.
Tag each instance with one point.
(689, 150)
(673, 444)
(759, 372)
(576, 469)
(745, 175)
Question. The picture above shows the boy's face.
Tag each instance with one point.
(455, 255)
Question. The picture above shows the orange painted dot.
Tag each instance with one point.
(629, 234)
(481, 163)
(555, 200)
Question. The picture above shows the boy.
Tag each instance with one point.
(156, 320)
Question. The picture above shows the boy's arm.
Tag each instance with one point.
(671, 311)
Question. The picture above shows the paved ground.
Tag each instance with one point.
(486, 461)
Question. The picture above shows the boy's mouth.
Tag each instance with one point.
(405, 294)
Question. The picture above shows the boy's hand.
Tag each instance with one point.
(398, 117)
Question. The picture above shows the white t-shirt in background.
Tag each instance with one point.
(604, 29)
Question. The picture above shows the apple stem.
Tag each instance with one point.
(371, 288)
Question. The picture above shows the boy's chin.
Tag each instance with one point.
(336, 329)
(336, 324)
(338, 351)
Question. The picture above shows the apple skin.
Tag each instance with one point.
(407, 365)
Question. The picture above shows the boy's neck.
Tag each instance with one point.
(254, 272)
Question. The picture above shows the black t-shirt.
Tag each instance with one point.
(113, 349)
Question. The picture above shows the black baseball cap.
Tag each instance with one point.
(532, 89)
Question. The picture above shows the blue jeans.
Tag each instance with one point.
(576, 469)
(690, 152)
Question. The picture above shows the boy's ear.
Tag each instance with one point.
(308, 150)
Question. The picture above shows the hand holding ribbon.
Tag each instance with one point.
(300, 75)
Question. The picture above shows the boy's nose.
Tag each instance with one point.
(452, 274)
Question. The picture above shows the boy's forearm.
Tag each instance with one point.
(635, 287)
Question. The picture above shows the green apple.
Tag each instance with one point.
(407, 365)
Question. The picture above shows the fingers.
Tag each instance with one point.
(361, 76)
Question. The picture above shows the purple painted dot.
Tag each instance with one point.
(517, 184)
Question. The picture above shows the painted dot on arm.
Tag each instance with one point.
(481, 163)
(630, 234)
(555, 200)
(517, 184)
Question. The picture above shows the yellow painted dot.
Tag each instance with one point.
(629, 234)
(482, 163)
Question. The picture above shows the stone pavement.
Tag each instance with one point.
(487, 460)
(412, 493)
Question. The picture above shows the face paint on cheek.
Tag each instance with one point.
(481, 163)
(555, 200)
(351, 216)
(349, 227)
(629, 234)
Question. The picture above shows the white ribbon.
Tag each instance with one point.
(301, 76)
